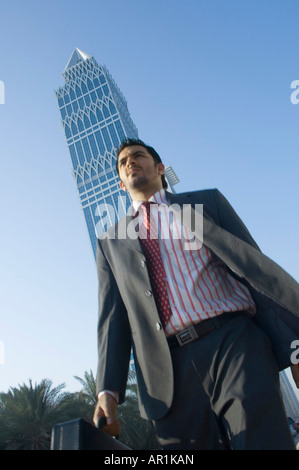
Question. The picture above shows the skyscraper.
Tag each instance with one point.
(95, 119)
(290, 399)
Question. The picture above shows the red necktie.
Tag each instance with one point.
(150, 244)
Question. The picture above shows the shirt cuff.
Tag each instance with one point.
(115, 395)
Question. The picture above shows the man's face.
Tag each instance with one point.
(138, 171)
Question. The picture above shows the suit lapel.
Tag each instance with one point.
(126, 233)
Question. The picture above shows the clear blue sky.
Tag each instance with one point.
(207, 84)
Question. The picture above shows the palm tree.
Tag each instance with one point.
(89, 391)
(27, 415)
(29, 412)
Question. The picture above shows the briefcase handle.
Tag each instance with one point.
(101, 422)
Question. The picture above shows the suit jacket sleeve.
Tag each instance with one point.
(114, 335)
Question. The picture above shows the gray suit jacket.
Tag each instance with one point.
(128, 316)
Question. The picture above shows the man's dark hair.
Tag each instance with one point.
(128, 142)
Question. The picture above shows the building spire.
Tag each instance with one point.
(76, 57)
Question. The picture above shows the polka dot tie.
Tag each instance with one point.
(148, 236)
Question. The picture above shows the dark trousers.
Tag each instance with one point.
(227, 393)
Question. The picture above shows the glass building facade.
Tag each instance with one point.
(290, 399)
(95, 119)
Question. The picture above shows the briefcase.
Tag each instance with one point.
(79, 434)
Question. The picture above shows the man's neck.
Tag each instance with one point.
(144, 195)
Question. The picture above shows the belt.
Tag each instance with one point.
(194, 332)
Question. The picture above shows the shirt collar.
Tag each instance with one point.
(159, 198)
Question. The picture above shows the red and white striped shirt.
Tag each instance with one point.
(198, 285)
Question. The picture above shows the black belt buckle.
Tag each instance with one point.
(186, 336)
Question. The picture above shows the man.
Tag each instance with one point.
(207, 373)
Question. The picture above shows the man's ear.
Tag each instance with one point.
(161, 168)
(121, 184)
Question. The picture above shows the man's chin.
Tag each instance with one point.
(138, 182)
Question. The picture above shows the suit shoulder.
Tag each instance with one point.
(203, 196)
(207, 197)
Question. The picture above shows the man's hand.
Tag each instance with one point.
(295, 373)
(106, 408)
